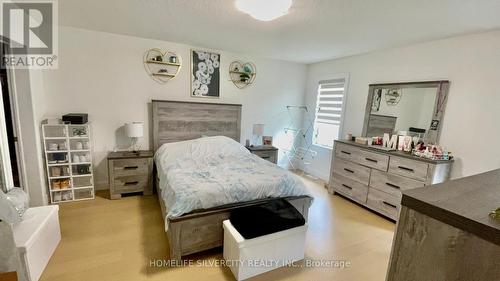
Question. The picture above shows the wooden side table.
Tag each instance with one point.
(8, 276)
(268, 152)
(130, 172)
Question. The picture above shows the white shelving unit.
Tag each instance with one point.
(68, 157)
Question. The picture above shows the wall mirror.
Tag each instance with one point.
(414, 107)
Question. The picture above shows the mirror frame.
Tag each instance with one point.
(442, 87)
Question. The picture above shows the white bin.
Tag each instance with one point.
(37, 237)
(249, 257)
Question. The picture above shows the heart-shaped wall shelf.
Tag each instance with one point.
(162, 66)
(242, 74)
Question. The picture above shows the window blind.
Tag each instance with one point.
(329, 107)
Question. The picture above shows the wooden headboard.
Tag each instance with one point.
(181, 120)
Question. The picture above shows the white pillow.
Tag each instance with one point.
(13, 204)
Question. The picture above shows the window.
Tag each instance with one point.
(329, 111)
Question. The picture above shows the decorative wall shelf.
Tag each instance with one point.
(162, 66)
(164, 74)
(242, 74)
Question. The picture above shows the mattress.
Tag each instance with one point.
(215, 171)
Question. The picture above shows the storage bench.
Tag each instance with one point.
(249, 257)
(36, 238)
(261, 238)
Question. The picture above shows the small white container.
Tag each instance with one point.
(250, 257)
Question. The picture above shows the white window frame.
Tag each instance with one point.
(344, 76)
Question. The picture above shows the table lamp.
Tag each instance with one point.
(258, 130)
(134, 131)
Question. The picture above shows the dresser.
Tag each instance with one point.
(445, 232)
(130, 172)
(267, 152)
(376, 178)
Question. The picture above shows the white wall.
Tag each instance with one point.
(470, 125)
(103, 74)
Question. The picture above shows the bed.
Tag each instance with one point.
(198, 186)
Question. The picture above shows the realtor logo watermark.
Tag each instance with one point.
(30, 30)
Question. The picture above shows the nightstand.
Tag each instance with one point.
(130, 172)
(268, 152)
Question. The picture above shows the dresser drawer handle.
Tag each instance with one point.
(345, 152)
(346, 186)
(131, 183)
(348, 170)
(371, 160)
(131, 167)
(390, 205)
(392, 185)
(265, 157)
(406, 169)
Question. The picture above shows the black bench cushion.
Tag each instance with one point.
(267, 218)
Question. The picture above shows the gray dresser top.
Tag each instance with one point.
(130, 154)
(394, 153)
(261, 148)
(463, 203)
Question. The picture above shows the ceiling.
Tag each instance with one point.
(314, 30)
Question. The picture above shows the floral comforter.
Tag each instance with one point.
(215, 171)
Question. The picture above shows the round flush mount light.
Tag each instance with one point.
(264, 10)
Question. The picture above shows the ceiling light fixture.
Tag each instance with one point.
(264, 10)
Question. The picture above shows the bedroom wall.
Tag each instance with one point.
(103, 74)
(470, 125)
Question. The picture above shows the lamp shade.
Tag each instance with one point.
(134, 129)
(258, 129)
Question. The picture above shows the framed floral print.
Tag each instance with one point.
(205, 74)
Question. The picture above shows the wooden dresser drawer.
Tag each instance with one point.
(392, 184)
(269, 155)
(373, 160)
(408, 168)
(133, 183)
(347, 152)
(131, 166)
(351, 170)
(347, 187)
(384, 203)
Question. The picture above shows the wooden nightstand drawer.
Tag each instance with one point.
(265, 154)
(130, 183)
(130, 172)
(131, 166)
(268, 153)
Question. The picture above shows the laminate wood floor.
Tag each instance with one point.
(116, 240)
